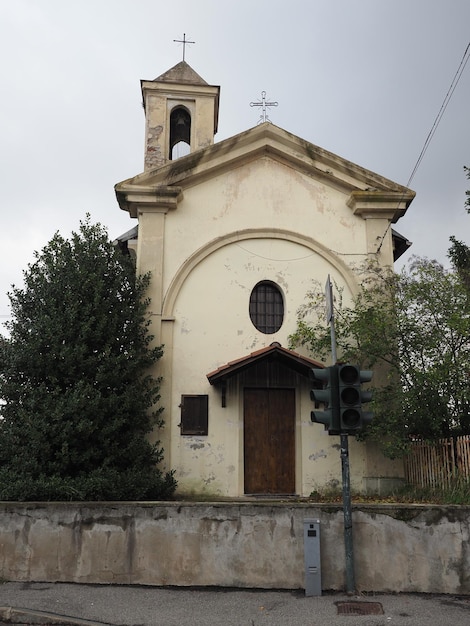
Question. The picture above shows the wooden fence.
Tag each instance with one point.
(438, 465)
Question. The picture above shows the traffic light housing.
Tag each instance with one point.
(352, 416)
(328, 396)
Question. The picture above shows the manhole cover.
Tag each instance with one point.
(359, 608)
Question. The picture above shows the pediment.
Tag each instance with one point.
(365, 188)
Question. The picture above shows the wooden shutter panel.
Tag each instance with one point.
(194, 414)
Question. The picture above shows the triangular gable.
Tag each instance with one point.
(181, 73)
(369, 192)
(292, 360)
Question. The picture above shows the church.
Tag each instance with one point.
(233, 233)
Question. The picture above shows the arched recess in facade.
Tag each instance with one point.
(244, 235)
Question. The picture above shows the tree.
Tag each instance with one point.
(459, 254)
(413, 328)
(78, 401)
(467, 202)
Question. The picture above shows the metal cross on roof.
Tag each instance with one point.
(265, 105)
(184, 41)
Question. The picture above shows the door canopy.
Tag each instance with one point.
(274, 353)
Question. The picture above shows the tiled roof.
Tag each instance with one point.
(289, 358)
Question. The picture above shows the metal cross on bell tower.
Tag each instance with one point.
(184, 41)
(265, 105)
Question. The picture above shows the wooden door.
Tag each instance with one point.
(269, 441)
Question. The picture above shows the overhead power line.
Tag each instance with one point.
(450, 91)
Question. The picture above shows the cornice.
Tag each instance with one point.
(380, 204)
(137, 199)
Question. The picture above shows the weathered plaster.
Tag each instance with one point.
(263, 205)
(397, 548)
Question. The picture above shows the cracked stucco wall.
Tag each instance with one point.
(398, 548)
(263, 220)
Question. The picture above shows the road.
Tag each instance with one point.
(121, 605)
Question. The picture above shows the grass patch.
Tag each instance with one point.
(457, 494)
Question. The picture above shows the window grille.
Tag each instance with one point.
(266, 307)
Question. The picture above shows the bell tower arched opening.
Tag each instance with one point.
(180, 133)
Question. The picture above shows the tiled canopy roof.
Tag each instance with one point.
(275, 351)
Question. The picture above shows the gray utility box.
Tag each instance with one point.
(312, 557)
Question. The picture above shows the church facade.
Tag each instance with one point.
(233, 234)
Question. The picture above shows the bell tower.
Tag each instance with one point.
(181, 114)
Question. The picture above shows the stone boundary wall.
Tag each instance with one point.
(398, 548)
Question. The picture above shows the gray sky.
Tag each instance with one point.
(364, 79)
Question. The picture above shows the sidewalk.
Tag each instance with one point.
(99, 605)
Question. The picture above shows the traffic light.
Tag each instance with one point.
(352, 417)
(328, 396)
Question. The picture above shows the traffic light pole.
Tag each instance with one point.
(345, 473)
(330, 318)
(348, 534)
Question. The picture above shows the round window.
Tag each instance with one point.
(267, 307)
